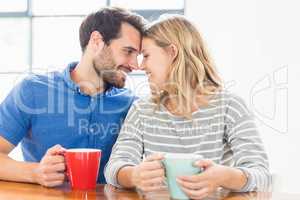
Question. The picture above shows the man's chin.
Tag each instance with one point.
(114, 78)
(117, 84)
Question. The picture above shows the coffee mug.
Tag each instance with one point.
(177, 164)
(83, 167)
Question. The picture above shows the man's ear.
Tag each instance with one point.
(173, 51)
(96, 41)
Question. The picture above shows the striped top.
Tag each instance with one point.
(224, 131)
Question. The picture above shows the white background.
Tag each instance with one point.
(256, 48)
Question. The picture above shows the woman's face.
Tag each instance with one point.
(156, 63)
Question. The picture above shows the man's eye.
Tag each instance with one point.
(146, 56)
(129, 52)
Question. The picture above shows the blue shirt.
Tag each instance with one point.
(44, 110)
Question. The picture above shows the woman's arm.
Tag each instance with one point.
(127, 151)
(250, 162)
(125, 167)
(124, 177)
(244, 140)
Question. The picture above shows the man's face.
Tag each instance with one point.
(119, 57)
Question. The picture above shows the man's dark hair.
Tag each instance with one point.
(107, 21)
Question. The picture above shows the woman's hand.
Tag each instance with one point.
(201, 185)
(149, 176)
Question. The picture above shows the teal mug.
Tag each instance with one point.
(175, 165)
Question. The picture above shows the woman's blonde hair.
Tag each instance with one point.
(192, 72)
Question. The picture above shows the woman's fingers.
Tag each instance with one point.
(191, 185)
(154, 157)
(153, 188)
(196, 194)
(153, 174)
(158, 181)
(204, 163)
(152, 165)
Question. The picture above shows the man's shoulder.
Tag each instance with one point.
(41, 80)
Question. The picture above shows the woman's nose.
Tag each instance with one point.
(142, 66)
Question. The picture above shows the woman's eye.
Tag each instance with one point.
(146, 56)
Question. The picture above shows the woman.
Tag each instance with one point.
(188, 112)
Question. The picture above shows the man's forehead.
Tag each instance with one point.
(130, 36)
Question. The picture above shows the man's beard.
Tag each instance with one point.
(108, 71)
(111, 77)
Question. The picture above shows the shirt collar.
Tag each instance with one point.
(67, 77)
(75, 87)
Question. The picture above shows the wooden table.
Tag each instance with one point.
(23, 191)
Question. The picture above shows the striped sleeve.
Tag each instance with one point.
(248, 151)
(128, 149)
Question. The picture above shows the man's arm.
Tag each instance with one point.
(12, 170)
(49, 172)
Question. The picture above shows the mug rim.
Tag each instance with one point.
(83, 150)
(182, 156)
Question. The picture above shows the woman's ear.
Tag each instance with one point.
(173, 51)
(96, 41)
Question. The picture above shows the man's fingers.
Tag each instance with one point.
(57, 149)
(53, 183)
(54, 168)
(53, 159)
(54, 177)
(61, 167)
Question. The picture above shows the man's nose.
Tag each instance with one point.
(134, 64)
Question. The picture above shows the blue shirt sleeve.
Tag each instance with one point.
(16, 112)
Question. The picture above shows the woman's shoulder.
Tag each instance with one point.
(233, 104)
(143, 104)
(226, 97)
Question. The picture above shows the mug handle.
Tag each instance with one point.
(63, 153)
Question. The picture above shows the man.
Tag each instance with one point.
(83, 107)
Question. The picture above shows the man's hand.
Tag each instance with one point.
(50, 172)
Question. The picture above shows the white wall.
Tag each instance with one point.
(255, 44)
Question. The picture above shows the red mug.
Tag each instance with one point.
(83, 167)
